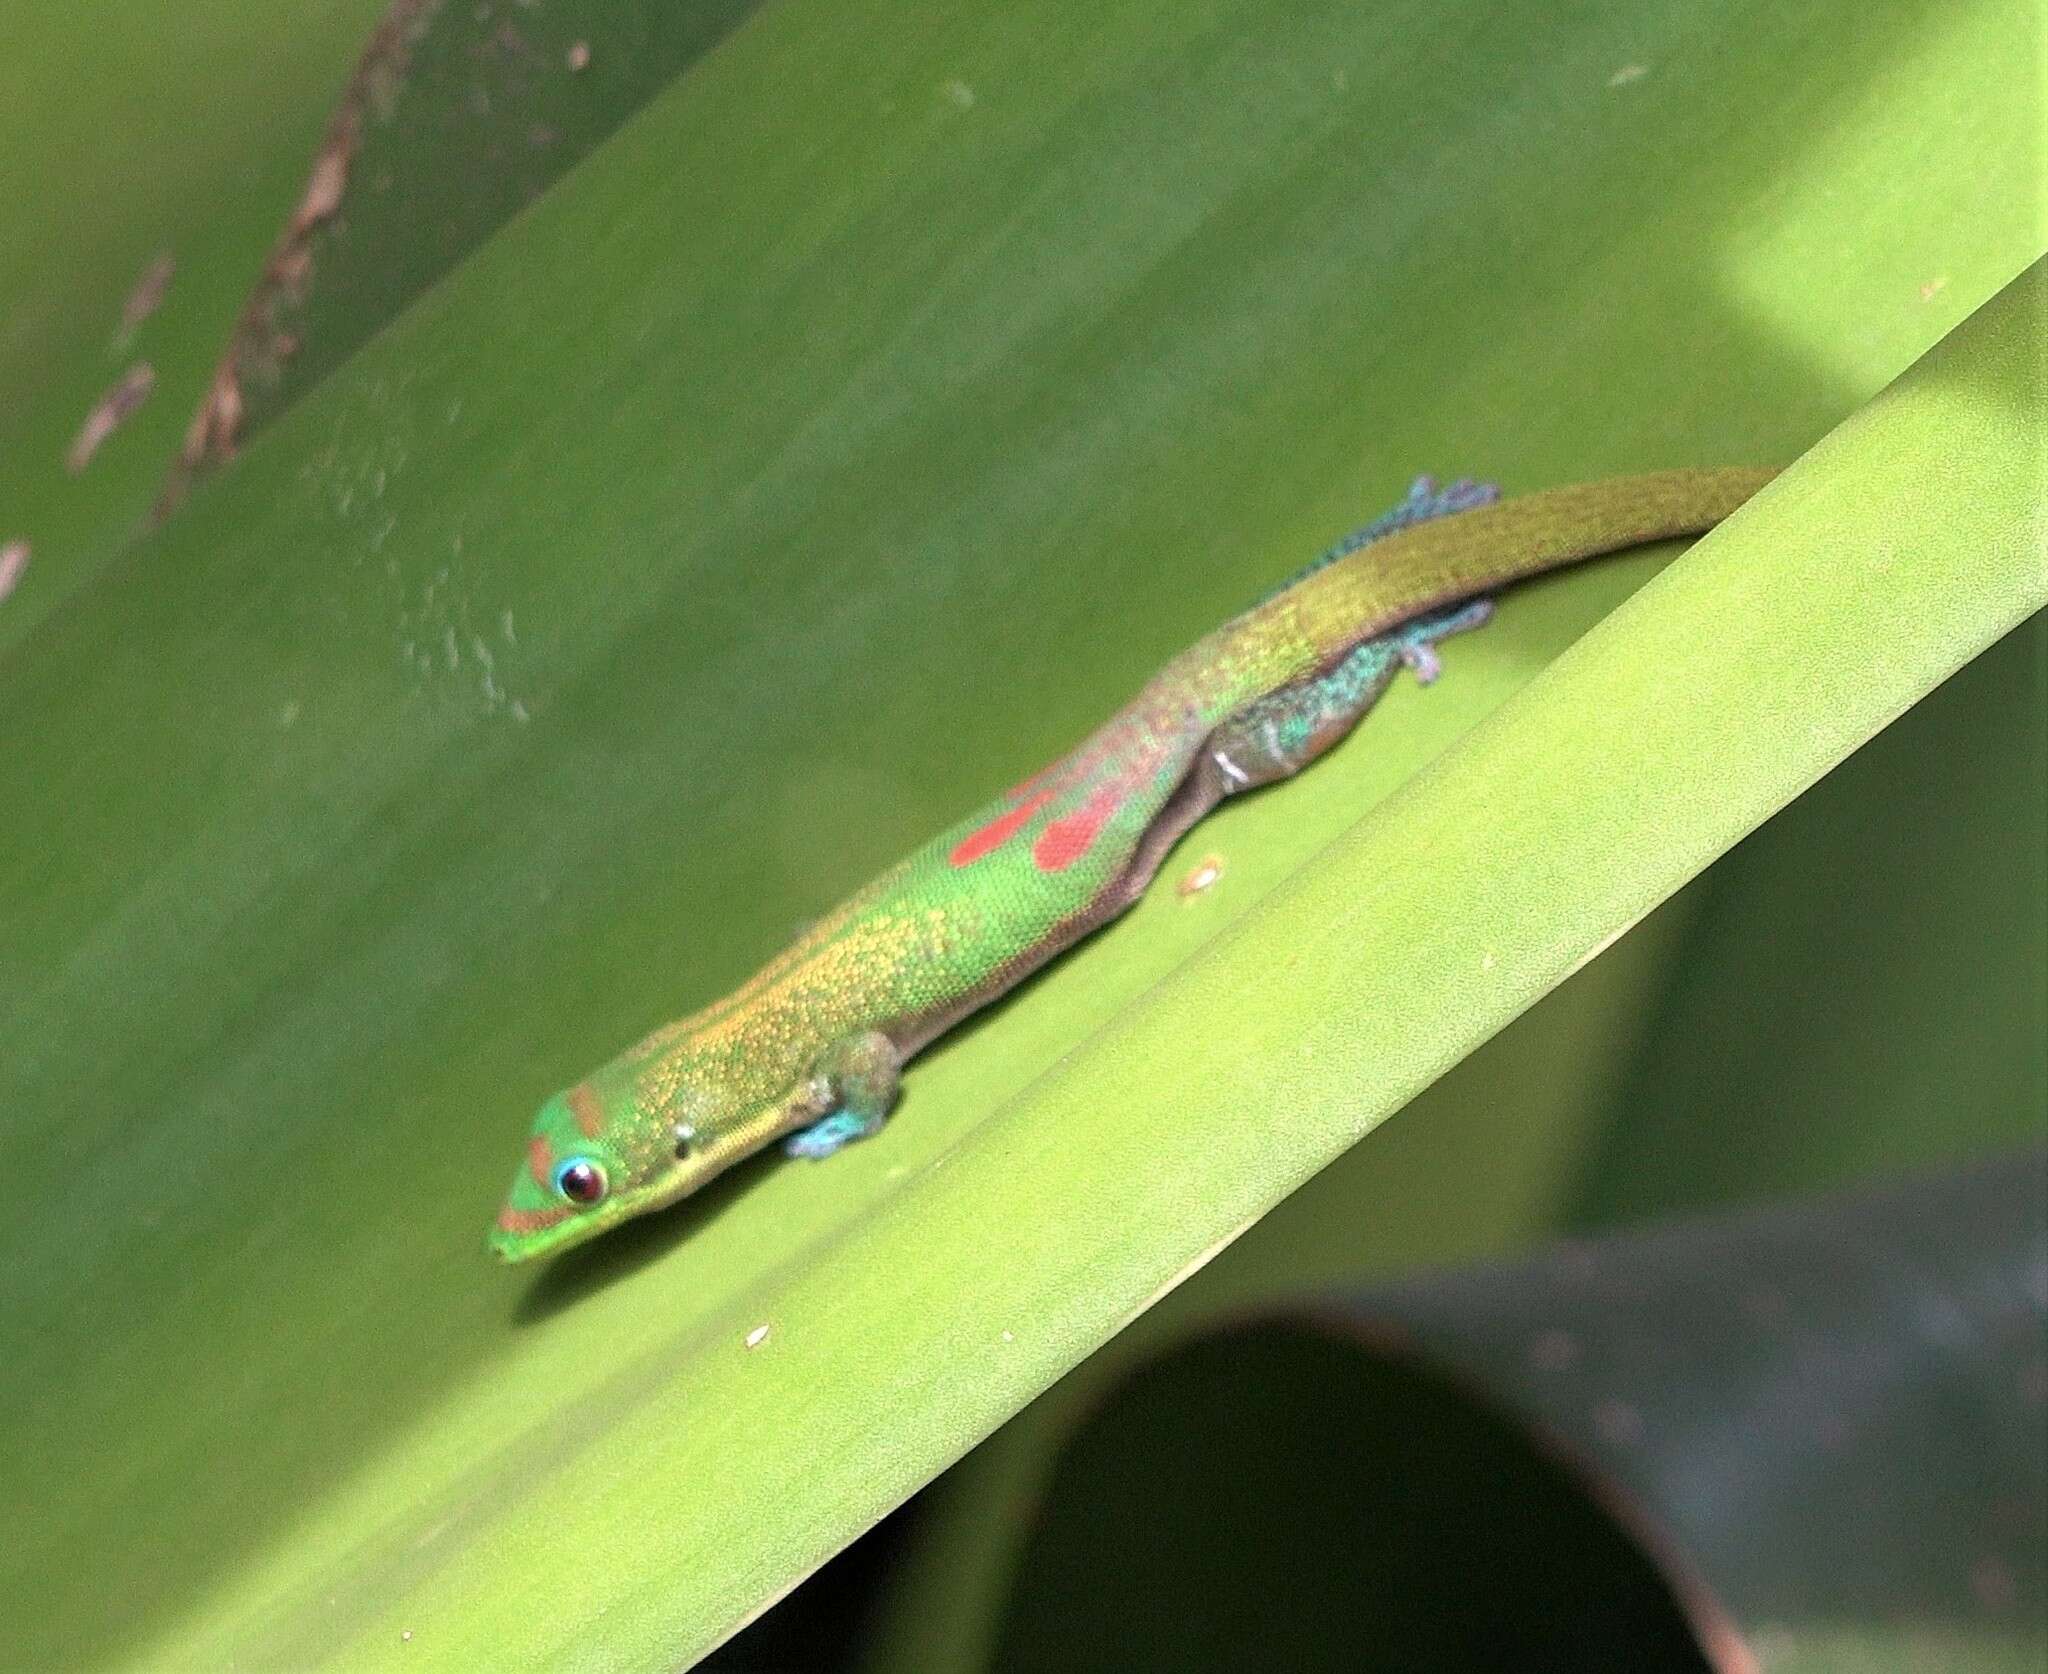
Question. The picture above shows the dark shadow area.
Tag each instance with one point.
(1641, 1453)
(1833, 1406)
(1277, 1499)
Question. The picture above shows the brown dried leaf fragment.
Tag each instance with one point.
(109, 414)
(148, 295)
(13, 560)
(1207, 873)
(261, 344)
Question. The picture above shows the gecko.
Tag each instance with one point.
(810, 1050)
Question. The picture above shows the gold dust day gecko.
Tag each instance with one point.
(810, 1049)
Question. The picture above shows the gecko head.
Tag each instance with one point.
(596, 1157)
(591, 1162)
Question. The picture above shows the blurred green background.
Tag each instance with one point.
(704, 471)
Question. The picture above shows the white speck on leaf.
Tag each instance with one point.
(505, 627)
(289, 714)
(960, 93)
(518, 711)
(1934, 287)
(757, 1336)
(13, 560)
(1628, 73)
(579, 57)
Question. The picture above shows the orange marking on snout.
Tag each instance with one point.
(529, 1220)
(540, 1162)
(588, 1110)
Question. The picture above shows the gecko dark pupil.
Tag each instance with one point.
(581, 1182)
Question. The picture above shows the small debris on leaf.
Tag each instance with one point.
(112, 411)
(1205, 875)
(13, 560)
(757, 1336)
(322, 196)
(1628, 73)
(579, 57)
(1617, 1423)
(148, 295)
(1993, 1585)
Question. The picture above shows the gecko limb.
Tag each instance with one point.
(861, 1074)
(1278, 735)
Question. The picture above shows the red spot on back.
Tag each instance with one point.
(539, 1161)
(998, 831)
(587, 1108)
(1071, 836)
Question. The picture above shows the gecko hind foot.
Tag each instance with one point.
(1416, 643)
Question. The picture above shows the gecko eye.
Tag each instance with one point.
(580, 1180)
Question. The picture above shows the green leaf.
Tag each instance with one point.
(797, 470)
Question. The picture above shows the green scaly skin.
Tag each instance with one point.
(810, 1050)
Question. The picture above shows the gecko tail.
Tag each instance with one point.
(1423, 501)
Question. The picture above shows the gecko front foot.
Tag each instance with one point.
(859, 1076)
(832, 1133)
